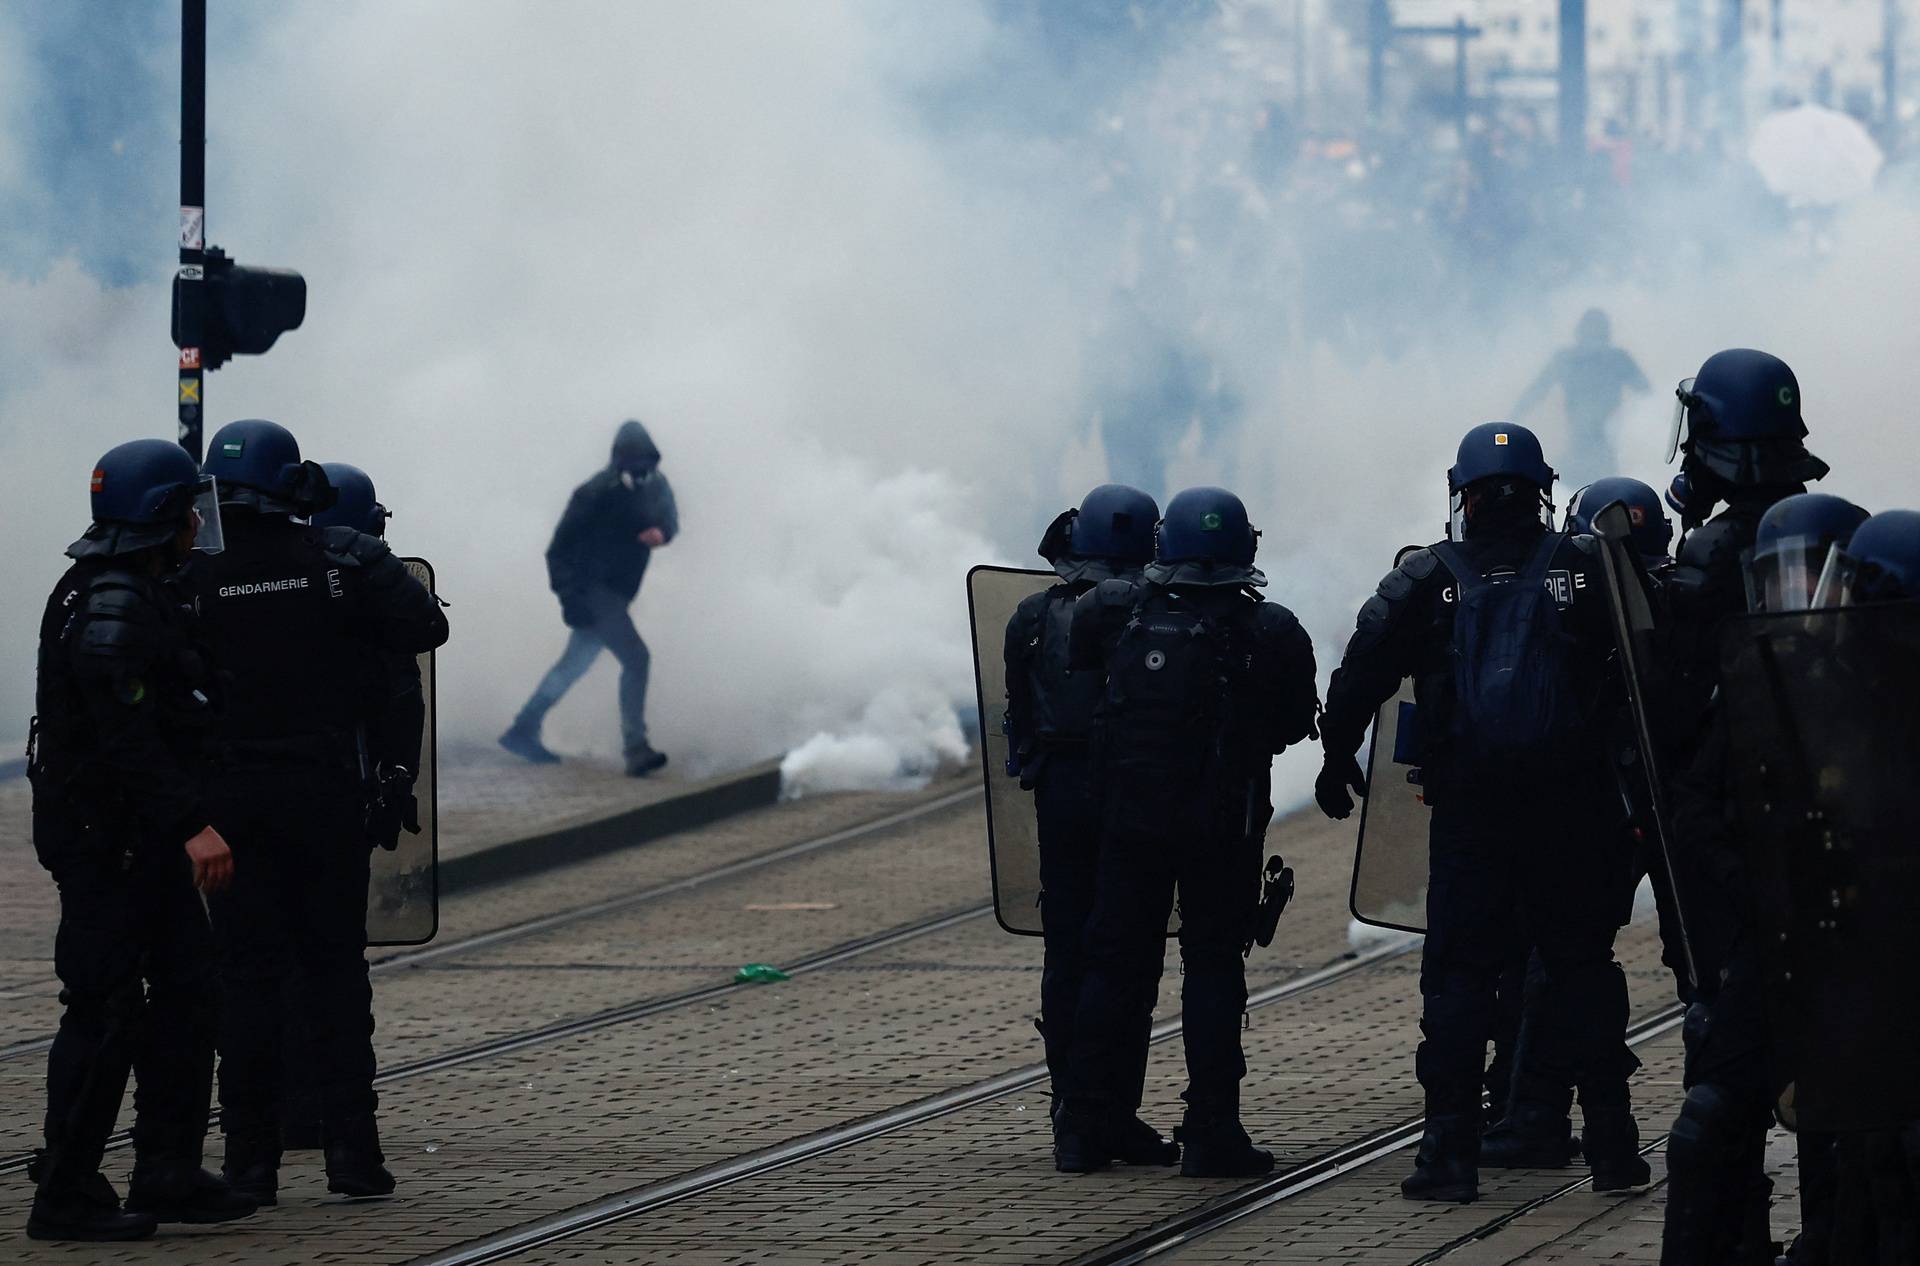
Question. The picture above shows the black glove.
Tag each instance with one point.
(1338, 774)
(576, 608)
(393, 809)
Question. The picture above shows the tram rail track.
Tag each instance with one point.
(1184, 1228)
(625, 1013)
(645, 1198)
(520, 929)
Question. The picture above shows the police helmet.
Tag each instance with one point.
(257, 463)
(1500, 448)
(1679, 494)
(1880, 564)
(1205, 539)
(356, 505)
(143, 493)
(1791, 546)
(1113, 526)
(1652, 529)
(1739, 418)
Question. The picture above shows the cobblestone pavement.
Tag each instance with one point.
(487, 1144)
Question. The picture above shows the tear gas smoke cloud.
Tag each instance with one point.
(882, 311)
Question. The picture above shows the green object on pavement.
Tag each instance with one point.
(759, 974)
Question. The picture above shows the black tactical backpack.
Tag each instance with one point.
(1516, 705)
(1163, 720)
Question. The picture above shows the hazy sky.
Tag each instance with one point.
(869, 271)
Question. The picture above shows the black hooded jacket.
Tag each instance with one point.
(597, 544)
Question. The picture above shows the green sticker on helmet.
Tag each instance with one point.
(231, 448)
(1785, 396)
(1210, 521)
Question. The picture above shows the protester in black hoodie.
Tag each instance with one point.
(599, 554)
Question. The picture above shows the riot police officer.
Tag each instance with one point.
(388, 739)
(1530, 1123)
(1049, 723)
(121, 820)
(1876, 1206)
(394, 701)
(1505, 634)
(1738, 424)
(292, 611)
(1204, 685)
(1717, 1195)
(1874, 1210)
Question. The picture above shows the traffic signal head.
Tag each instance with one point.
(243, 309)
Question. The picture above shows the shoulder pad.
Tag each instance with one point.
(355, 549)
(1410, 571)
(118, 594)
(1116, 592)
(1373, 614)
(1030, 612)
(1273, 622)
(1585, 544)
(1716, 545)
(120, 618)
(1419, 564)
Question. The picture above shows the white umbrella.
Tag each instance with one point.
(1810, 154)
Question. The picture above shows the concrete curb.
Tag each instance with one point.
(755, 787)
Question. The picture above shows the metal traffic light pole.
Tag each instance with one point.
(190, 293)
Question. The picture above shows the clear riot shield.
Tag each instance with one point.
(1823, 720)
(403, 893)
(1390, 858)
(1013, 831)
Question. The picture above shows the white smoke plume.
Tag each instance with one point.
(874, 341)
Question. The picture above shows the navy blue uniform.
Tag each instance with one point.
(1546, 842)
(124, 700)
(291, 616)
(1050, 712)
(1185, 806)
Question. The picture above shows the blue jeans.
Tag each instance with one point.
(609, 628)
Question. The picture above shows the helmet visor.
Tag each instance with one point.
(1683, 399)
(1787, 577)
(208, 537)
(1838, 581)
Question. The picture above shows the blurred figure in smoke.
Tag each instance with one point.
(599, 554)
(1592, 376)
(1167, 389)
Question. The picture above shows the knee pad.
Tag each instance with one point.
(1713, 1124)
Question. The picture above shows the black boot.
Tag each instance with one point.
(1611, 1140)
(1138, 1143)
(1530, 1136)
(92, 1212)
(181, 1191)
(1218, 1147)
(1446, 1169)
(1082, 1140)
(252, 1168)
(355, 1166)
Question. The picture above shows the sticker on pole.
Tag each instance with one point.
(193, 228)
(189, 391)
(189, 358)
